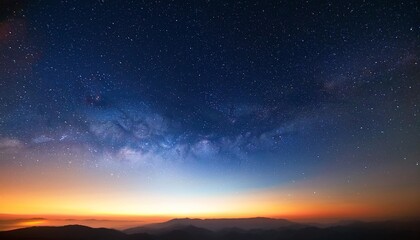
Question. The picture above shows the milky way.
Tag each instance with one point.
(212, 98)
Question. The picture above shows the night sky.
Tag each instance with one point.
(294, 109)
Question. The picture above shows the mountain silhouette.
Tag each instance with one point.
(217, 224)
(225, 229)
(69, 232)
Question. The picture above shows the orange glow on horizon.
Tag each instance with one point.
(75, 192)
(30, 223)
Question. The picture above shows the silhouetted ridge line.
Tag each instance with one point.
(388, 230)
(217, 224)
(68, 232)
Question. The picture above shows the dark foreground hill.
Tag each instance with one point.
(382, 230)
(70, 232)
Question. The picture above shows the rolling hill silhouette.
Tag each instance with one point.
(69, 232)
(217, 224)
(224, 229)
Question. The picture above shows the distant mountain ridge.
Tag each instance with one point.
(177, 229)
(218, 224)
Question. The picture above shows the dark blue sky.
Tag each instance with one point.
(274, 91)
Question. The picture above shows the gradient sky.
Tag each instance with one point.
(293, 109)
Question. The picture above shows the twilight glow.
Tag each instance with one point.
(140, 111)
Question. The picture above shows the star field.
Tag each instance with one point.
(293, 100)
